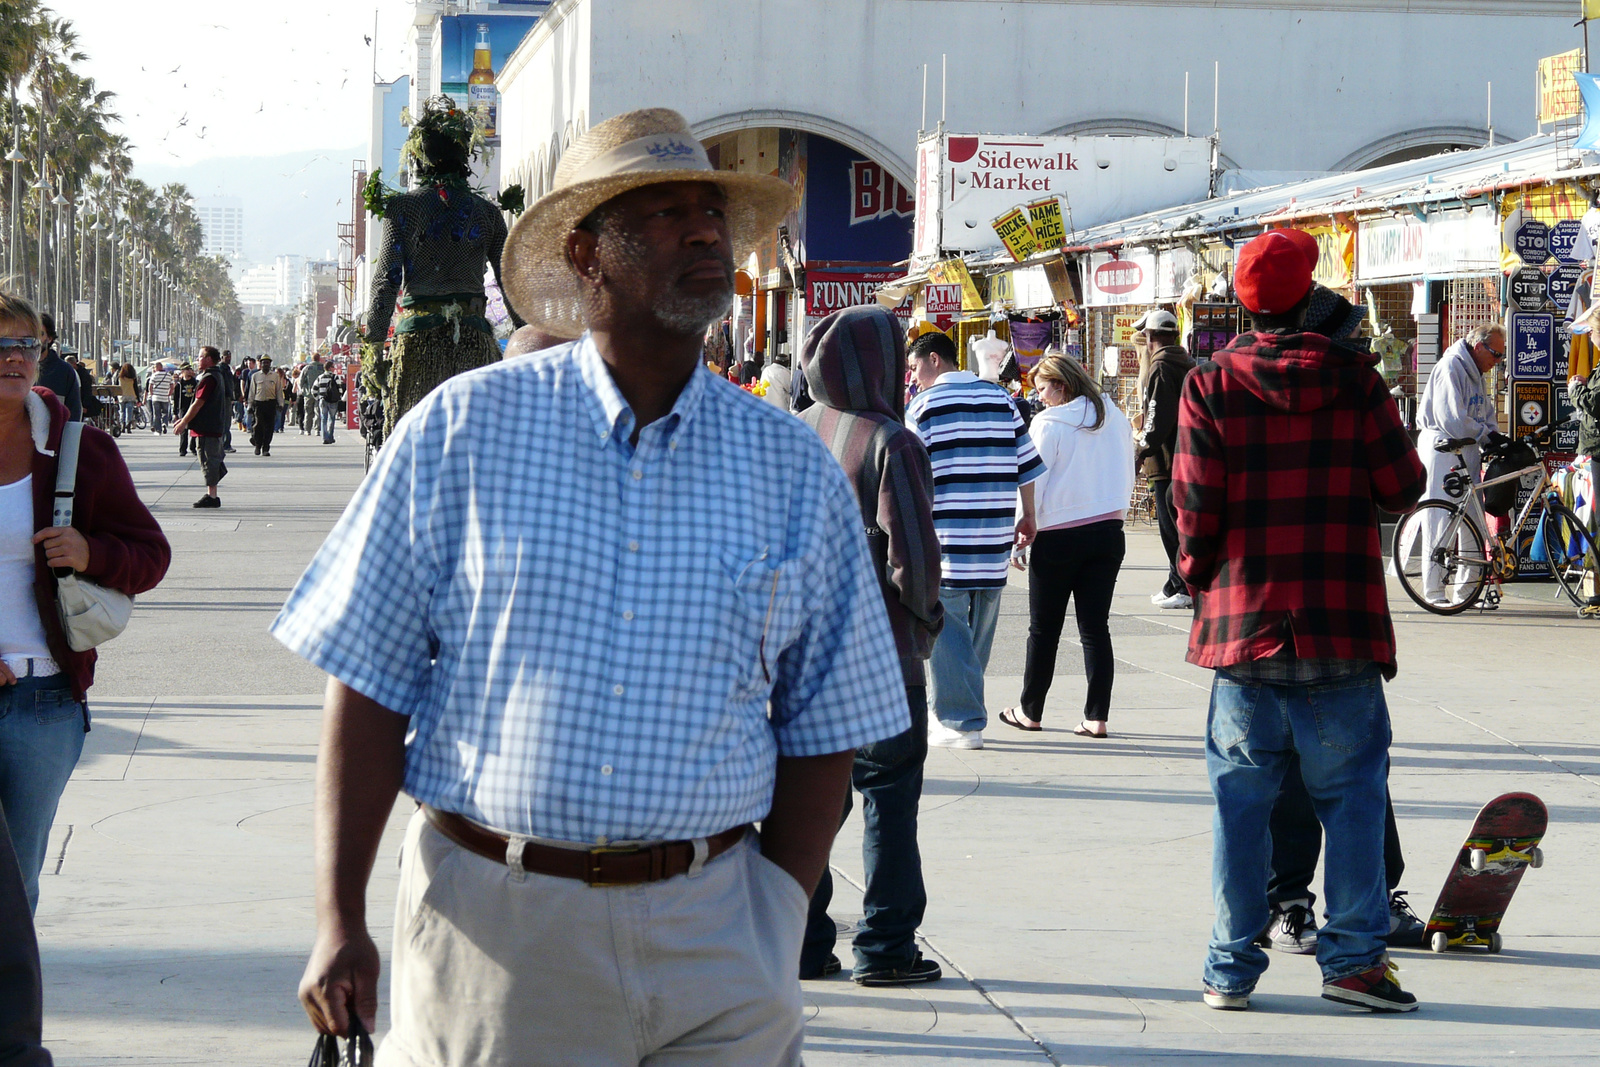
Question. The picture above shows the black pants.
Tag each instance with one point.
(266, 423)
(1297, 842)
(1082, 561)
(21, 1009)
(889, 775)
(1167, 523)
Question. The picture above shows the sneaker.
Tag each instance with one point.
(1404, 926)
(941, 736)
(1292, 928)
(1177, 601)
(918, 970)
(1375, 990)
(208, 501)
(1225, 1001)
(829, 968)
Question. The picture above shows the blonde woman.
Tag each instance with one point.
(1087, 447)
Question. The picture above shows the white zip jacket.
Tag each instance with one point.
(1088, 471)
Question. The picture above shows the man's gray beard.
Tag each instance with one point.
(678, 313)
(689, 315)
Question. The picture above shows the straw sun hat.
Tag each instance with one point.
(621, 154)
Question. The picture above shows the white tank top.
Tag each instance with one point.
(21, 633)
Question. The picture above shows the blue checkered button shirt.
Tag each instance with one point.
(598, 641)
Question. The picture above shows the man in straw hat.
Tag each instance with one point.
(595, 658)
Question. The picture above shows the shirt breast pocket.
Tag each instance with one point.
(770, 609)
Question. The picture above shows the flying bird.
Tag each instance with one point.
(175, 70)
(365, 38)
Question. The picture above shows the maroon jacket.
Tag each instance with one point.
(127, 550)
(855, 368)
(1287, 445)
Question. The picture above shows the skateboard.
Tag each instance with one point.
(1503, 843)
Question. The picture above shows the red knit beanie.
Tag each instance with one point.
(1273, 274)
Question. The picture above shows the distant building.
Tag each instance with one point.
(290, 272)
(221, 225)
(257, 290)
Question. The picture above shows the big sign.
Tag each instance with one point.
(1099, 179)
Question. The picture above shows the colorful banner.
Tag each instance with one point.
(1336, 252)
(1029, 340)
(1558, 93)
(954, 272)
(1549, 205)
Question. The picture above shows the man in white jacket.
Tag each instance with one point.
(1456, 404)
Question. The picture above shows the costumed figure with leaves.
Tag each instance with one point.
(437, 239)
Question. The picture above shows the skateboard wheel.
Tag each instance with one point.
(1478, 859)
(1494, 941)
(1439, 941)
(1537, 859)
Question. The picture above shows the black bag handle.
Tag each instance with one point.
(358, 1049)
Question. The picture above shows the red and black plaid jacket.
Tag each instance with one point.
(1287, 445)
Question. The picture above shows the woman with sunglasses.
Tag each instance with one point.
(112, 541)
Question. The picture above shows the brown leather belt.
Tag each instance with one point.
(603, 866)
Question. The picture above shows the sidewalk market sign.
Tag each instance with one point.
(966, 181)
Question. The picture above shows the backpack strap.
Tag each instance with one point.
(66, 473)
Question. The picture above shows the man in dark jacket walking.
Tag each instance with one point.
(56, 375)
(855, 366)
(1170, 364)
(1287, 446)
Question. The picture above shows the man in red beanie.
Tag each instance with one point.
(1287, 446)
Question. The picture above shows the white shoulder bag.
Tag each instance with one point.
(91, 614)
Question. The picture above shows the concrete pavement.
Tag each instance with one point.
(1069, 879)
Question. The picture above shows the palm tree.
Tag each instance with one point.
(21, 29)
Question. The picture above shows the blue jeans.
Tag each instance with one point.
(327, 417)
(889, 775)
(1340, 732)
(961, 655)
(41, 737)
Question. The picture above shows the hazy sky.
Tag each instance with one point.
(198, 79)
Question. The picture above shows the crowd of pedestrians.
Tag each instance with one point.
(637, 846)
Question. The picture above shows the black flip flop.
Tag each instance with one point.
(1081, 732)
(1015, 719)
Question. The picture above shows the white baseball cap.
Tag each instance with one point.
(1157, 320)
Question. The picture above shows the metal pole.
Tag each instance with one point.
(17, 159)
(944, 85)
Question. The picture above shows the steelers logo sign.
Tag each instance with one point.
(1532, 413)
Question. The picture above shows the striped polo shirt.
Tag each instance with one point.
(981, 454)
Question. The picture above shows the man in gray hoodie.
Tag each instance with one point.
(855, 368)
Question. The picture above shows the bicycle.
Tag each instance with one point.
(1467, 558)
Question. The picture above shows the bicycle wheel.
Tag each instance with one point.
(1572, 549)
(1436, 535)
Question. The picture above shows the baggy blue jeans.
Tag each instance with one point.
(1340, 732)
(961, 655)
(889, 775)
(41, 738)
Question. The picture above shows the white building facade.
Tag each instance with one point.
(221, 225)
(1315, 86)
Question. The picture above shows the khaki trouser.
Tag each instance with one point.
(493, 969)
